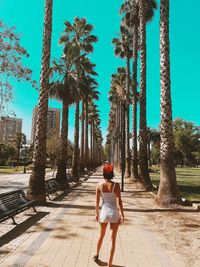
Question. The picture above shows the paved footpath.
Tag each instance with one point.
(64, 233)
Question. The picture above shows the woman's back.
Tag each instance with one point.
(109, 210)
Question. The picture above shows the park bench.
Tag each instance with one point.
(51, 187)
(14, 202)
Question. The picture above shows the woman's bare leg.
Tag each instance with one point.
(103, 227)
(114, 228)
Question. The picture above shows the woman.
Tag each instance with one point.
(111, 210)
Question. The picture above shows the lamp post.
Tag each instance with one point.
(25, 156)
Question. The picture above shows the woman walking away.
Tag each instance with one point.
(111, 210)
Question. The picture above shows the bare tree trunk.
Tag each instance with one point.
(36, 188)
(82, 152)
(61, 175)
(143, 160)
(75, 161)
(86, 163)
(128, 156)
(134, 166)
(168, 192)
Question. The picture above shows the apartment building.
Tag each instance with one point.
(53, 122)
(9, 127)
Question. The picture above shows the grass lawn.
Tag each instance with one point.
(8, 170)
(188, 180)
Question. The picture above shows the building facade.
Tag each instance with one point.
(53, 122)
(9, 127)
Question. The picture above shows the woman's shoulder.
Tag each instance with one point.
(99, 185)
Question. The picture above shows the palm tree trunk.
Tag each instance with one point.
(91, 142)
(61, 175)
(120, 136)
(36, 188)
(143, 160)
(123, 141)
(134, 165)
(82, 154)
(168, 190)
(128, 158)
(75, 163)
(86, 136)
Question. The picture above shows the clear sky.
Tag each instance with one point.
(27, 16)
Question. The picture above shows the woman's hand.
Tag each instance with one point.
(121, 220)
(97, 218)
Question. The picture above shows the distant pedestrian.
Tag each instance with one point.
(111, 210)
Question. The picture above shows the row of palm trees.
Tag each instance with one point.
(131, 46)
(71, 80)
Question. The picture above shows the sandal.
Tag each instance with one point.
(96, 257)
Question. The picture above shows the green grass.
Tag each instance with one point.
(10, 170)
(188, 180)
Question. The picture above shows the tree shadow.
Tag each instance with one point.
(190, 189)
(162, 210)
(192, 225)
(188, 174)
(21, 228)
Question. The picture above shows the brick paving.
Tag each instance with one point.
(64, 234)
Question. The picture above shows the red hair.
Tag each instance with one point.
(108, 171)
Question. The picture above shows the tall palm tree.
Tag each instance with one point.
(88, 98)
(123, 49)
(36, 188)
(64, 88)
(80, 35)
(119, 83)
(130, 20)
(145, 11)
(114, 128)
(168, 191)
(87, 94)
(94, 121)
(134, 166)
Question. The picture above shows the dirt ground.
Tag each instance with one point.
(177, 228)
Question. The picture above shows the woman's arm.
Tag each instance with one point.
(119, 201)
(98, 193)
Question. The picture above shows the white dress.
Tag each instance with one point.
(109, 210)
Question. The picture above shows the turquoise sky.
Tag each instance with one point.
(27, 16)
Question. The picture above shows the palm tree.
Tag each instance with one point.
(131, 22)
(145, 13)
(80, 35)
(114, 128)
(88, 92)
(64, 88)
(94, 121)
(36, 188)
(134, 169)
(123, 49)
(168, 190)
(118, 84)
(88, 98)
